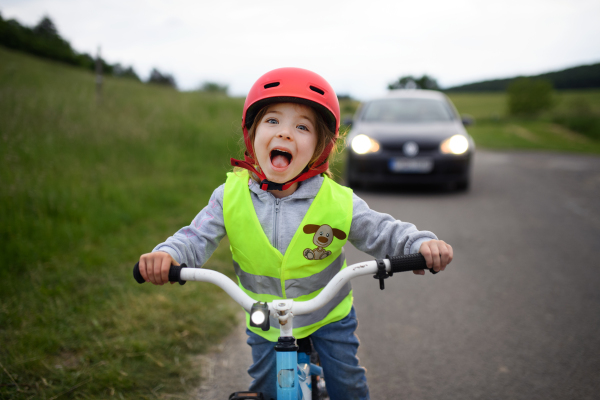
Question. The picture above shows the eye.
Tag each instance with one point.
(271, 121)
(321, 233)
(302, 127)
(327, 235)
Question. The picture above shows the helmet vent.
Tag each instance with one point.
(272, 84)
(316, 89)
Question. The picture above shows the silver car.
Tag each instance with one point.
(409, 137)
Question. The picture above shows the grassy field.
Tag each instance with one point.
(87, 187)
(493, 105)
(494, 129)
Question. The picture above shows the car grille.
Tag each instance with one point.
(424, 148)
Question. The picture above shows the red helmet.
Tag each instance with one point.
(290, 85)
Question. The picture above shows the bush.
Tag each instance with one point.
(527, 97)
(580, 117)
(125, 72)
(214, 87)
(162, 78)
(411, 82)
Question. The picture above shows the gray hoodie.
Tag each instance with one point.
(374, 233)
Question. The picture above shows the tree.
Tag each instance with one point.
(46, 28)
(411, 82)
(47, 42)
(214, 87)
(125, 72)
(162, 79)
(529, 96)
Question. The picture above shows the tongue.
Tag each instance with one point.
(280, 161)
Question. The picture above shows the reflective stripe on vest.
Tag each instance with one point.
(293, 287)
(314, 256)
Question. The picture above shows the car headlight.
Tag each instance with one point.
(457, 144)
(362, 144)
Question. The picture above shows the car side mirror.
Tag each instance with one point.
(467, 120)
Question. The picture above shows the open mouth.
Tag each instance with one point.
(280, 158)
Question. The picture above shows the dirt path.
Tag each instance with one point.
(221, 371)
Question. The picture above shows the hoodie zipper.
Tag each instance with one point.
(275, 224)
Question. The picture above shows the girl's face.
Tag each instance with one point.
(285, 140)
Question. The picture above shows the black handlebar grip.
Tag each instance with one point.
(409, 262)
(174, 273)
(137, 275)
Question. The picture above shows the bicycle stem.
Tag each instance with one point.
(282, 310)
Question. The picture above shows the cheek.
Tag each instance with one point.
(259, 144)
(309, 146)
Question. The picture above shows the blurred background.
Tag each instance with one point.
(117, 121)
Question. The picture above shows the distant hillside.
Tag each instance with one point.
(582, 77)
(44, 40)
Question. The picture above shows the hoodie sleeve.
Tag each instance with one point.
(378, 234)
(194, 244)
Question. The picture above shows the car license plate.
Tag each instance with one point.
(411, 165)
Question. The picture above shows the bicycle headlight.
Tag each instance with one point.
(362, 144)
(259, 316)
(457, 144)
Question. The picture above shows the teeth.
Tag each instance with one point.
(283, 151)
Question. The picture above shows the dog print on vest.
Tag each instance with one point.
(323, 236)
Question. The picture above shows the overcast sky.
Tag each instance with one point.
(358, 46)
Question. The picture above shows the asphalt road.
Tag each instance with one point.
(517, 313)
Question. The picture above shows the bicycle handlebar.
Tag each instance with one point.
(410, 262)
(174, 273)
(392, 264)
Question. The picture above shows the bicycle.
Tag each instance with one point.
(297, 377)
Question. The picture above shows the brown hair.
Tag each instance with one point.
(324, 137)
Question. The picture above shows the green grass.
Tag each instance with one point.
(494, 129)
(494, 105)
(530, 135)
(86, 188)
(480, 105)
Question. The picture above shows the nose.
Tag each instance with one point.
(322, 239)
(284, 133)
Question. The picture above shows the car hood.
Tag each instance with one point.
(428, 131)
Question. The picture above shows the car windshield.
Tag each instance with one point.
(408, 111)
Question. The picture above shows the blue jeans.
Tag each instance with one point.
(336, 345)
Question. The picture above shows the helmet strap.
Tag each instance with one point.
(266, 184)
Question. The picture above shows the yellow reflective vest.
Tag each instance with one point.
(313, 257)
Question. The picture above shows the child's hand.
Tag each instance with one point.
(154, 267)
(438, 254)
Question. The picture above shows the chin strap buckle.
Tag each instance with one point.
(268, 185)
(381, 274)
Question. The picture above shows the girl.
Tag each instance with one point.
(287, 222)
